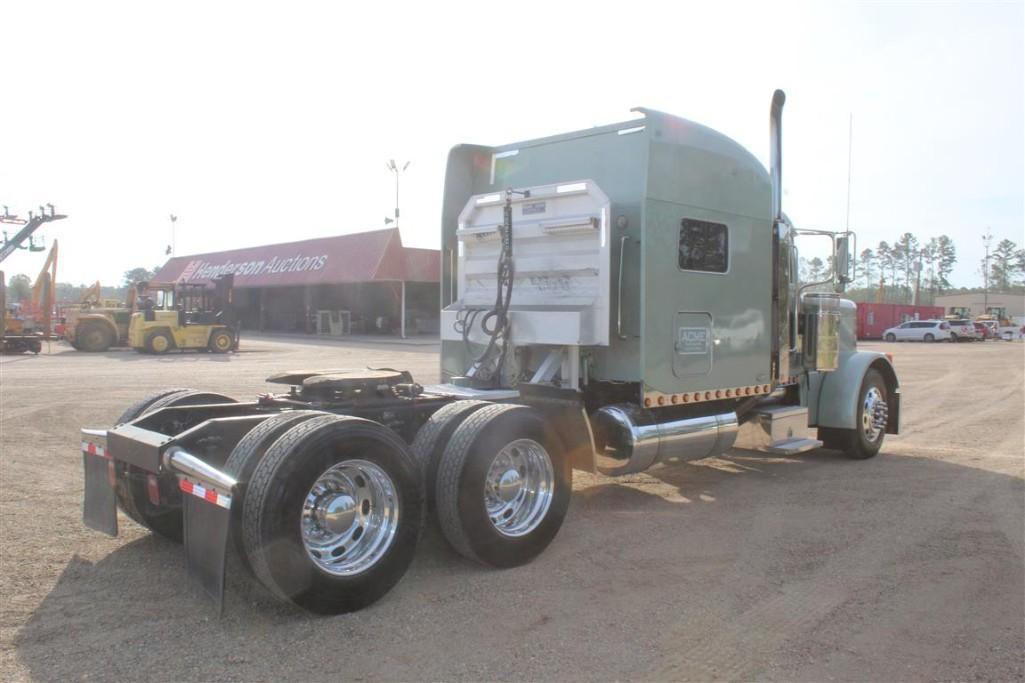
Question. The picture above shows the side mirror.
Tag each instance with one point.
(842, 261)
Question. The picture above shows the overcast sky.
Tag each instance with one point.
(258, 122)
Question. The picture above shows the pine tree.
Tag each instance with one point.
(945, 259)
(1003, 265)
(907, 246)
(867, 263)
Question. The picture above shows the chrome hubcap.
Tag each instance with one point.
(519, 487)
(874, 414)
(349, 517)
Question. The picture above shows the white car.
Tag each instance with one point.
(919, 330)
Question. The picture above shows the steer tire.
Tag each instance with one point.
(93, 337)
(460, 494)
(165, 518)
(279, 489)
(246, 456)
(434, 436)
(855, 443)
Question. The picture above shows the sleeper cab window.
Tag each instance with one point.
(704, 246)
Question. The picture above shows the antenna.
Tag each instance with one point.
(850, 137)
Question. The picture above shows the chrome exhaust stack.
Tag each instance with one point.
(631, 439)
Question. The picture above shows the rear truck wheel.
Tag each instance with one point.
(332, 514)
(156, 503)
(221, 341)
(246, 456)
(866, 439)
(929, 338)
(434, 436)
(891, 337)
(159, 342)
(503, 486)
(94, 337)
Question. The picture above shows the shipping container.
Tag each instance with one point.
(874, 319)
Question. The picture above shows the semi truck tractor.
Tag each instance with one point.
(612, 298)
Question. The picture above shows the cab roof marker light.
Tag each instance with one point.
(572, 187)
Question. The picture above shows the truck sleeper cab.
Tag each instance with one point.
(611, 298)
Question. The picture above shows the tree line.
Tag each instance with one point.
(897, 272)
(19, 287)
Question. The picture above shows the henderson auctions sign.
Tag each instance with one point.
(203, 270)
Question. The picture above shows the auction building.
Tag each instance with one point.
(363, 283)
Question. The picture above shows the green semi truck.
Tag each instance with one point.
(612, 298)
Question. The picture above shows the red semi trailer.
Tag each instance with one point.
(874, 319)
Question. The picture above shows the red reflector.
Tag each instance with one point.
(153, 489)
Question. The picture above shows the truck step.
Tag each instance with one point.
(793, 446)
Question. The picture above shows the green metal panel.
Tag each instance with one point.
(697, 173)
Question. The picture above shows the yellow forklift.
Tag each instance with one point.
(184, 316)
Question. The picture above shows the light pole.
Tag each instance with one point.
(393, 167)
(174, 223)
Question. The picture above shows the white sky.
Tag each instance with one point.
(258, 123)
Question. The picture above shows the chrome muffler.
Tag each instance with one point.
(630, 439)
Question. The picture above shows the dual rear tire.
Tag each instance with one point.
(328, 511)
(501, 480)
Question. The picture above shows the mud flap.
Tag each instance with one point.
(207, 516)
(99, 509)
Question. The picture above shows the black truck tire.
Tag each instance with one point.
(374, 534)
(245, 457)
(864, 441)
(165, 518)
(93, 337)
(432, 438)
(159, 342)
(488, 466)
(221, 341)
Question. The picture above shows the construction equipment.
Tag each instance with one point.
(95, 323)
(28, 227)
(33, 323)
(184, 316)
(612, 298)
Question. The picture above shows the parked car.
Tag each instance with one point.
(919, 330)
(985, 330)
(962, 330)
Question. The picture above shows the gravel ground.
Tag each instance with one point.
(907, 566)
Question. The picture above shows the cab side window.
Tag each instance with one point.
(704, 246)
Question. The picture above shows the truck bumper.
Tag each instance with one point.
(207, 495)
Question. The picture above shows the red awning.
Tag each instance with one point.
(360, 257)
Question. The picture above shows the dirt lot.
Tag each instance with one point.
(907, 566)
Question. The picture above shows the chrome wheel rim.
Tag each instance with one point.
(874, 414)
(349, 517)
(519, 487)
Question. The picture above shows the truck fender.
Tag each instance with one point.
(566, 415)
(833, 396)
